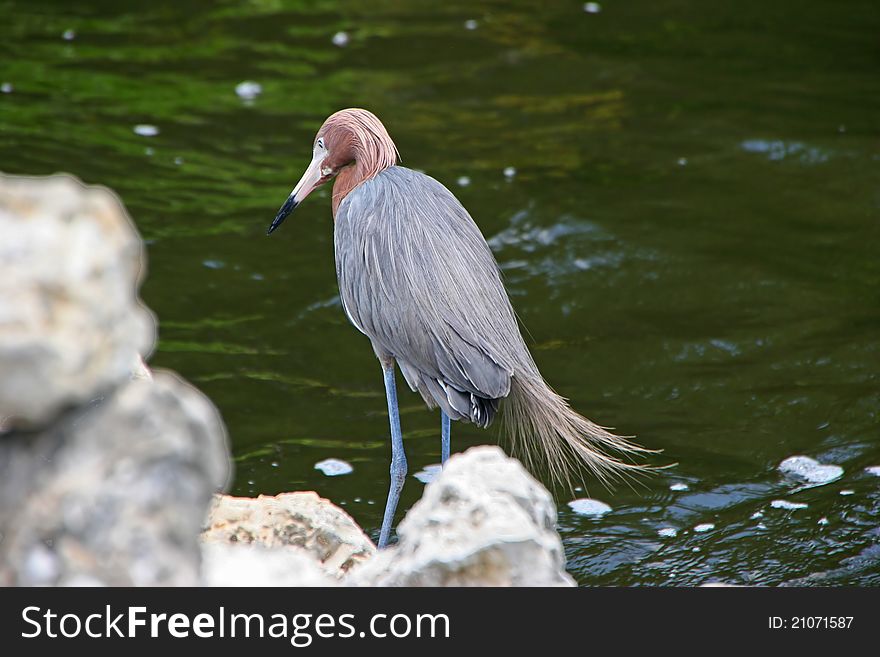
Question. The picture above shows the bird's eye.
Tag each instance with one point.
(320, 143)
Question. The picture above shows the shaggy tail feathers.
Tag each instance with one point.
(547, 434)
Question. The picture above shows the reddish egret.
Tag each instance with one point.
(417, 277)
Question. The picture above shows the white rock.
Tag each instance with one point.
(324, 531)
(589, 507)
(248, 90)
(254, 565)
(117, 489)
(804, 468)
(483, 522)
(71, 323)
(334, 467)
(429, 473)
(146, 130)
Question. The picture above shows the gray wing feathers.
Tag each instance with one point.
(417, 277)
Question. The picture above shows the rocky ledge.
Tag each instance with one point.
(484, 521)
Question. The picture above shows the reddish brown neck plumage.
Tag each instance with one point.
(359, 147)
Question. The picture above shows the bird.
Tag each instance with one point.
(417, 277)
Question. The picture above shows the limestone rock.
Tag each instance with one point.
(302, 519)
(227, 564)
(484, 521)
(114, 492)
(71, 323)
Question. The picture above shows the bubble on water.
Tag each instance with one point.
(274, 464)
(704, 527)
(847, 491)
(678, 486)
(810, 470)
(214, 264)
(463, 181)
(509, 172)
(589, 507)
(250, 482)
(248, 90)
(668, 532)
(68, 35)
(335, 468)
(470, 24)
(790, 506)
(371, 501)
(341, 39)
(592, 7)
(357, 499)
(822, 521)
(682, 161)
(428, 473)
(873, 470)
(6, 88)
(780, 150)
(146, 130)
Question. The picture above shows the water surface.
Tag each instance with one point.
(690, 237)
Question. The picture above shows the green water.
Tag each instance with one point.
(691, 238)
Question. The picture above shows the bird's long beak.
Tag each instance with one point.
(310, 179)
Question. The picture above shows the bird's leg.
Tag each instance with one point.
(398, 457)
(444, 437)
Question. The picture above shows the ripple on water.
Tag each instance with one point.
(589, 507)
(780, 150)
(334, 467)
(704, 527)
(873, 470)
(810, 470)
(789, 506)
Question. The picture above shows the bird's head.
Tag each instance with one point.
(352, 139)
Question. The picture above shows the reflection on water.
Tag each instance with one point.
(684, 203)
